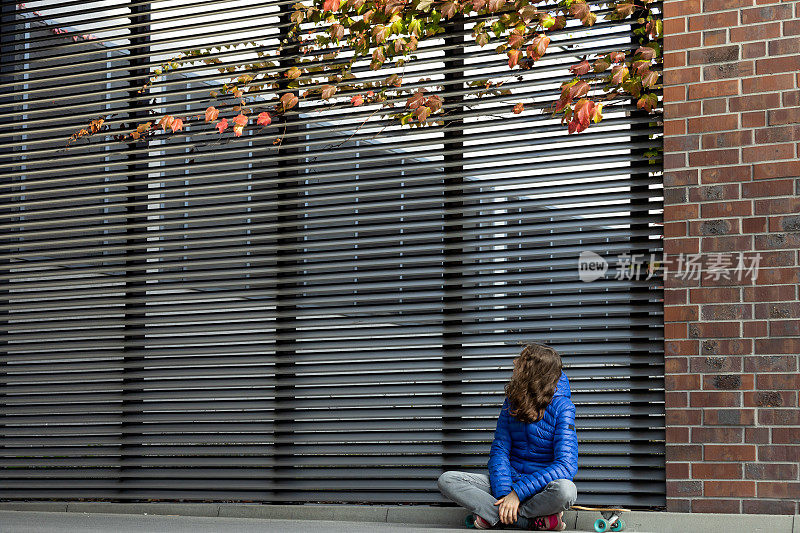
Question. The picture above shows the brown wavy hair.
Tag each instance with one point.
(533, 383)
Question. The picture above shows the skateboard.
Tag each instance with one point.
(610, 521)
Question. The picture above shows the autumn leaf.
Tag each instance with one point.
(624, 9)
(336, 31)
(380, 33)
(211, 113)
(578, 90)
(515, 40)
(327, 91)
(288, 101)
(527, 13)
(617, 57)
(513, 58)
(434, 102)
(357, 100)
(331, 5)
(618, 74)
(395, 80)
(422, 113)
(416, 100)
(601, 65)
(222, 125)
(240, 120)
(540, 43)
(177, 125)
(519, 108)
(448, 10)
(580, 69)
(237, 130)
(293, 73)
(264, 119)
(650, 79)
(645, 52)
(165, 122)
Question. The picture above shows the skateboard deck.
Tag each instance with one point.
(611, 520)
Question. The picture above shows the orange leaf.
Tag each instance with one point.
(519, 108)
(222, 125)
(357, 100)
(331, 5)
(240, 120)
(237, 130)
(211, 113)
(581, 68)
(177, 125)
(264, 119)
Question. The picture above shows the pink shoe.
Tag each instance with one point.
(480, 523)
(551, 522)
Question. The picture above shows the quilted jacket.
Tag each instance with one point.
(526, 457)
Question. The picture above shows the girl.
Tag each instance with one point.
(534, 455)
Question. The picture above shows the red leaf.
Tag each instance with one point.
(264, 119)
(581, 68)
(177, 125)
(328, 91)
(222, 125)
(240, 120)
(416, 100)
(288, 101)
(513, 58)
(357, 100)
(237, 130)
(211, 113)
(618, 74)
(519, 108)
(331, 5)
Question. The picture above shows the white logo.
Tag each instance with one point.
(591, 266)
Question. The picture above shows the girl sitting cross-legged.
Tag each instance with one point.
(534, 455)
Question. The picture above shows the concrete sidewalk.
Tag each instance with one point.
(86, 516)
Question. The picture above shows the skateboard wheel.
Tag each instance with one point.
(469, 521)
(600, 525)
(619, 525)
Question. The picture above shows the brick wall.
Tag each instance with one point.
(731, 184)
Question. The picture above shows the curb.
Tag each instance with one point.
(651, 521)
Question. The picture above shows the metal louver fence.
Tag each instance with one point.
(331, 319)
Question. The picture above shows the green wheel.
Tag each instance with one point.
(600, 525)
(469, 521)
(619, 525)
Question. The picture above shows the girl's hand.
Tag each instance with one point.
(509, 506)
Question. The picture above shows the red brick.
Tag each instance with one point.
(769, 152)
(777, 187)
(675, 330)
(680, 347)
(760, 84)
(713, 21)
(727, 139)
(768, 489)
(683, 417)
(714, 106)
(726, 174)
(729, 489)
(712, 210)
(729, 452)
(713, 123)
(729, 417)
(714, 295)
(756, 435)
(785, 116)
(711, 347)
(716, 505)
(717, 471)
(674, 127)
(684, 488)
(755, 32)
(778, 64)
(775, 276)
(675, 178)
(707, 158)
(773, 507)
(771, 363)
(753, 50)
(785, 435)
(784, 328)
(778, 310)
(679, 505)
(678, 76)
(760, 15)
(754, 119)
(723, 5)
(673, 24)
(714, 37)
(677, 470)
(726, 312)
(754, 329)
(677, 434)
(729, 382)
(681, 313)
(779, 417)
(752, 102)
(770, 398)
(715, 399)
(714, 89)
(784, 169)
(776, 134)
(790, 453)
(754, 224)
(680, 212)
(676, 297)
(676, 365)
(791, 98)
(713, 54)
(781, 47)
(714, 227)
(777, 381)
(674, 59)
(675, 229)
(721, 71)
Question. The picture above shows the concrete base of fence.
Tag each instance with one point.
(650, 521)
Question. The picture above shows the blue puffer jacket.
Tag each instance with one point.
(526, 457)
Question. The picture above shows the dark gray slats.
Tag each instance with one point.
(611, 302)
(75, 455)
(319, 373)
(181, 158)
(379, 475)
(561, 38)
(175, 184)
(590, 404)
(394, 466)
(160, 42)
(329, 211)
(425, 384)
(645, 496)
(89, 362)
(224, 296)
(616, 316)
(152, 417)
(616, 347)
(398, 337)
(318, 250)
(332, 235)
(249, 478)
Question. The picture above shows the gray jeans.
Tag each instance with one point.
(473, 492)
